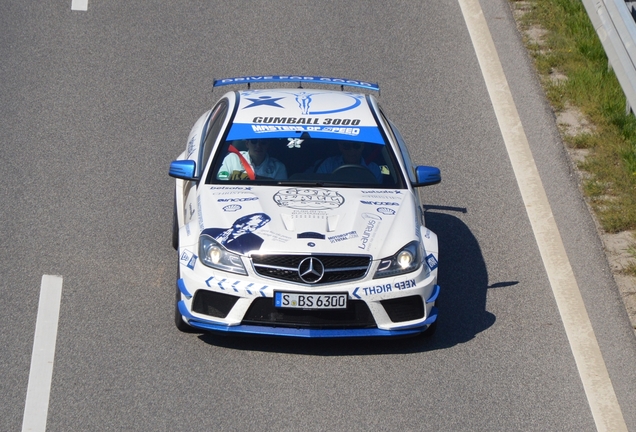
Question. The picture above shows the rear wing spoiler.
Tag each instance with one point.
(296, 79)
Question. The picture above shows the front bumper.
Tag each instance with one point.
(393, 307)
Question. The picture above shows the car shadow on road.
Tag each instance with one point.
(462, 305)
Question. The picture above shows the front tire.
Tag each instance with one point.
(175, 226)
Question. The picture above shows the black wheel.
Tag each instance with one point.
(175, 226)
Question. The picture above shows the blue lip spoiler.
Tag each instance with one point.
(303, 332)
(296, 79)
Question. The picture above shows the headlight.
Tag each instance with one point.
(406, 260)
(214, 255)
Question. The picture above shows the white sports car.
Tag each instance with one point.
(296, 214)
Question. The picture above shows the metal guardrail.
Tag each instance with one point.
(615, 26)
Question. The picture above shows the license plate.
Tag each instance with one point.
(310, 301)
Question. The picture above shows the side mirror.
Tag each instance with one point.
(427, 175)
(183, 169)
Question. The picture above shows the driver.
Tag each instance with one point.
(350, 154)
(263, 165)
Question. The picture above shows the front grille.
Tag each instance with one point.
(356, 315)
(213, 303)
(338, 268)
(404, 308)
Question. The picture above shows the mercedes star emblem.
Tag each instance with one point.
(311, 270)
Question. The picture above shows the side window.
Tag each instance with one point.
(404, 151)
(214, 128)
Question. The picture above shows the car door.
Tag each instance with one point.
(200, 151)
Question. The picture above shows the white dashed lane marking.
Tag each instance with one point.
(79, 5)
(36, 407)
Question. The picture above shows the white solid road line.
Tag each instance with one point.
(39, 388)
(587, 354)
(79, 5)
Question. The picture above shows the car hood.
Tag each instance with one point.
(266, 219)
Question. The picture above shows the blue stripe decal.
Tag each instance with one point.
(434, 295)
(183, 289)
(183, 310)
(296, 79)
(369, 134)
(432, 317)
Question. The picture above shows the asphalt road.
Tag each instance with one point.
(95, 104)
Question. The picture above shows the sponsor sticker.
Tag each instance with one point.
(385, 211)
(309, 214)
(431, 261)
(343, 237)
(191, 145)
(368, 234)
(237, 199)
(200, 213)
(274, 236)
(308, 199)
(382, 191)
(380, 203)
(188, 259)
(294, 142)
(232, 188)
(371, 216)
(324, 129)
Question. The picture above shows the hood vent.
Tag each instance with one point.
(311, 235)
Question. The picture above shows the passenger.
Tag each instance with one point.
(251, 163)
(350, 154)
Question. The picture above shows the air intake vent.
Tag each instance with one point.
(213, 303)
(404, 309)
(263, 312)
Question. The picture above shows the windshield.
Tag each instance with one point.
(306, 161)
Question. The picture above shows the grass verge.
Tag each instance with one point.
(575, 74)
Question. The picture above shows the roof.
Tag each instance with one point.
(282, 113)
